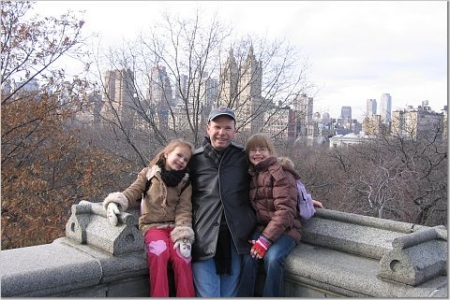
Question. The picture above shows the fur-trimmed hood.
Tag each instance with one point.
(152, 172)
(288, 165)
(286, 162)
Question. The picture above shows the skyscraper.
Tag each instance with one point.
(181, 88)
(228, 81)
(371, 107)
(160, 94)
(160, 89)
(240, 88)
(118, 97)
(386, 108)
(303, 108)
(346, 112)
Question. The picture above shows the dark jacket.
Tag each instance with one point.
(217, 187)
(273, 194)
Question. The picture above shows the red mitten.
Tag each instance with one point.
(260, 247)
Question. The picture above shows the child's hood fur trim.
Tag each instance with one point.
(286, 161)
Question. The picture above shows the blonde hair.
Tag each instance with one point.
(169, 148)
(260, 140)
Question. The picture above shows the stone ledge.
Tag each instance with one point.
(361, 235)
(349, 275)
(407, 253)
(341, 255)
(88, 225)
(119, 267)
(416, 258)
(47, 269)
(65, 267)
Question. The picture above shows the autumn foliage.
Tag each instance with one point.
(45, 166)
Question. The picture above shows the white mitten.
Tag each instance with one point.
(111, 213)
(185, 247)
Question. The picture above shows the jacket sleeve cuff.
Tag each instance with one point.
(118, 198)
(182, 232)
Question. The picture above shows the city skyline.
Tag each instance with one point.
(357, 50)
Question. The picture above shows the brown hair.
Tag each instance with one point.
(259, 140)
(169, 148)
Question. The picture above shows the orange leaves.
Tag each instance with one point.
(45, 166)
(45, 169)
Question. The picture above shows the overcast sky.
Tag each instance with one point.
(358, 50)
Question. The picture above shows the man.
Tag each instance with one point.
(223, 219)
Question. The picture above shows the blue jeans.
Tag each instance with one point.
(209, 284)
(273, 264)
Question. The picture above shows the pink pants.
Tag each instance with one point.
(160, 251)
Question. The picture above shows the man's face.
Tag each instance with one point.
(221, 131)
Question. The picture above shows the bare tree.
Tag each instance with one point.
(395, 178)
(182, 67)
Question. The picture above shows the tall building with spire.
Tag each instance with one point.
(250, 99)
(241, 90)
(228, 87)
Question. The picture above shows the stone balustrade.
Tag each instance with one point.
(341, 255)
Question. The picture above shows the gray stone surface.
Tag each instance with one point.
(351, 237)
(36, 271)
(65, 268)
(139, 287)
(88, 225)
(341, 255)
(97, 291)
(368, 221)
(114, 268)
(416, 258)
(316, 269)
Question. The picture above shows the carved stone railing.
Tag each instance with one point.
(341, 255)
(344, 254)
(95, 259)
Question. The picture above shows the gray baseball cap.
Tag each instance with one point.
(221, 111)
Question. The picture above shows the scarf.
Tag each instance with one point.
(222, 259)
(171, 177)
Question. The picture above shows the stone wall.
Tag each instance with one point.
(341, 255)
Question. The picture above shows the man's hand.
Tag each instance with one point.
(111, 213)
(185, 247)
